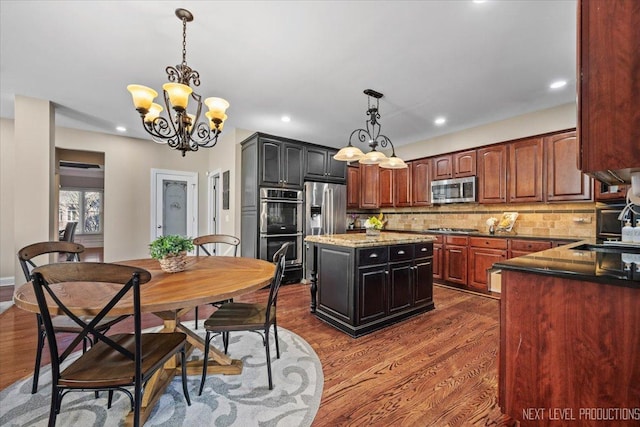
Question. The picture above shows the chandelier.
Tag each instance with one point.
(371, 135)
(181, 131)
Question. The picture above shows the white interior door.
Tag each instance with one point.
(175, 200)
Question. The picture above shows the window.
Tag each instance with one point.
(83, 206)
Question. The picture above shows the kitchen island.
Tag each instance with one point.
(569, 336)
(362, 283)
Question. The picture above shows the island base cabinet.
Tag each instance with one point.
(570, 348)
(360, 290)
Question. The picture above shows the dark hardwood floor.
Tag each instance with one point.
(439, 368)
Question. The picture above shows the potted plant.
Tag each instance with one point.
(374, 224)
(171, 251)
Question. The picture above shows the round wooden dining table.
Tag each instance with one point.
(169, 296)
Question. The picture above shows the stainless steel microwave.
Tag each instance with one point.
(455, 190)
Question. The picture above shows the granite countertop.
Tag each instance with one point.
(510, 235)
(361, 240)
(615, 266)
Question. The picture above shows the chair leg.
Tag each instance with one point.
(36, 369)
(55, 405)
(205, 361)
(275, 335)
(138, 403)
(183, 361)
(266, 336)
(110, 399)
(196, 317)
(225, 341)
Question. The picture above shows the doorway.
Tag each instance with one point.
(213, 207)
(174, 201)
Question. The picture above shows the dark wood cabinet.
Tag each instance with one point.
(455, 259)
(483, 253)
(421, 182)
(464, 163)
(281, 164)
(492, 174)
(402, 178)
(525, 171)
(442, 167)
(518, 247)
(353, 187)
(608, 90)
(565, 182)
(387, 186)
(369, 187)
(360, 290)
(605, 192)
(321, 166)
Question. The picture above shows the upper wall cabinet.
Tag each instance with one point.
(321, 166)
(456, 165)
(492, 174)
(369, 186)
(525, 171)
(281, 164)
(565, 181)
(609, 93)
(353, 187)
(421, 182)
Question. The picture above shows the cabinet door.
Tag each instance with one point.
(565, 181)
(315, 163)
(608, 92)
(400, 286)
(442, 167)
(402, 191)
(525, 171)
(492, 174)
(385, 178)
(372, 293)
(480, 260)
(421, 182)
(423, 281)
(464, 164)
(336, 169)
(605, 191)
(271, 163)
(353, 187)
(249, 175)
(292, 176)
(455, 264)
(369, 186)
(437, 261)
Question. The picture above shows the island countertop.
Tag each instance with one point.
(361, 240)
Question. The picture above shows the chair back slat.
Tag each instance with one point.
(26, 254)
(47, 275)
(279, 259)
(201, 242)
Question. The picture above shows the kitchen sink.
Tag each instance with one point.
(616, 247)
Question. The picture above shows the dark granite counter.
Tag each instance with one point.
(481, 234)
(584, 260)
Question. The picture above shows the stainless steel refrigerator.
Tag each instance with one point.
(325, 213)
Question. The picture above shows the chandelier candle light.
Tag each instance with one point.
(372, 136)
(183, 131)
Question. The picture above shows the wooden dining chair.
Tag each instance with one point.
(201, 243)
(61, 324)
(238, 316)
(113, 362)
(69, 232)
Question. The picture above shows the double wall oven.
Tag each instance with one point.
(280, 222)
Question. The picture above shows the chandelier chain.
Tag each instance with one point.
(184, 41)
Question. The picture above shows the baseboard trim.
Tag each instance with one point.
(7, 281)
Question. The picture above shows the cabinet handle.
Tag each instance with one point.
(423, 250)
(386, 272)
(373, 256)
(400, 252)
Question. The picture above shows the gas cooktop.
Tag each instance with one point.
(453, 230)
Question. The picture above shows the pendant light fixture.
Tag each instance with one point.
(181, 130)
(371, 135)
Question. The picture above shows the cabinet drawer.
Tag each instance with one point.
(423, 250)
(439, 238)
(400, 253)
(482, 242)
(530, 245)
(457, 240)
(371, 256)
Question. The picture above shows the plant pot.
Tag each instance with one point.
(372, 232)
(174, 263)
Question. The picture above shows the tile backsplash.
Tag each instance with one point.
(571, 220)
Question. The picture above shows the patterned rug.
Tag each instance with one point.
(235, 400)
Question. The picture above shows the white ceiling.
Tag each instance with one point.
(472, 63)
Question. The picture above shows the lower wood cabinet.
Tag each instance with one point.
(483, 253)
(360, 290)
(455, 259)
(519, 247)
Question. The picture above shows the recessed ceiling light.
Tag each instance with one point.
(479, 1)
(285, 119)
(121, 129)
(440, 121)
(558, 84)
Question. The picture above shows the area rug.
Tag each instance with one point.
(235, 400)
